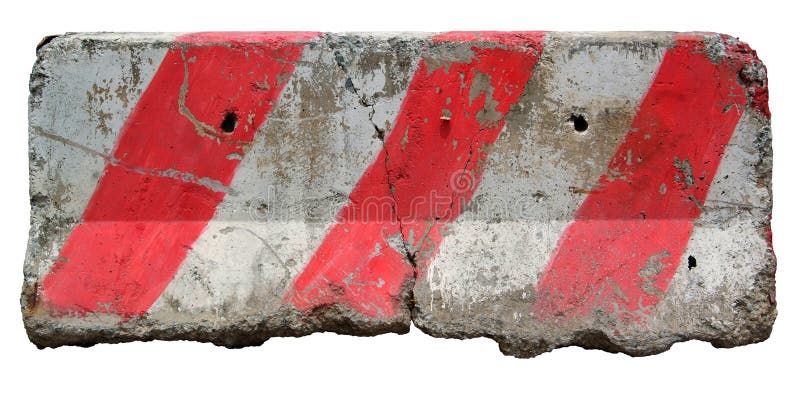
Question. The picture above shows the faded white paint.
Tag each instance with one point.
(87, 96)
(523, 204)
(320, 138)
(244, 262)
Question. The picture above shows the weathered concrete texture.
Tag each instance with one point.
(483, 280)
(606, 190)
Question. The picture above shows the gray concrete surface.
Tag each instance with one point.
(331, 122)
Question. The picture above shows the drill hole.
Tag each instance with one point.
(229, 122)
(692, 262)
(579, 122)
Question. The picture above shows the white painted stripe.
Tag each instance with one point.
(305, 160)
(726, 243)
(88, 95)
(537, 173)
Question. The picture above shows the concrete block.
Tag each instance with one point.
(606, 190)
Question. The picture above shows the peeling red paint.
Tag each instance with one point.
(739, 56)
(623, 248)
(169, 170)
(428, 171)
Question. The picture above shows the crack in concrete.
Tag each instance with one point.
(203, 129)
(380, 133)
(170, 173)
(362, 98)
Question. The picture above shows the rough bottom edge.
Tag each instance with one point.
(511, 345)
(240, 334)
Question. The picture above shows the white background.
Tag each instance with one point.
(414, 362)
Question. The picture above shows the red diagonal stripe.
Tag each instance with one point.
(429, 169)
(175, 156)
(624, 246)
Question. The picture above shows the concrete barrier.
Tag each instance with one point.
(607, 190)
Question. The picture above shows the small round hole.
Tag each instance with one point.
(229, 122)
(692, 262)
(579, 122)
